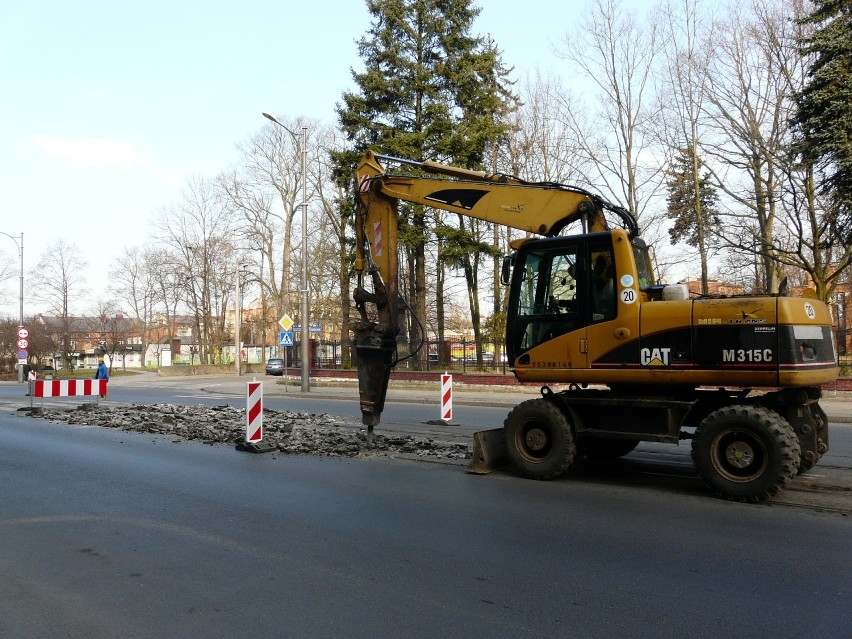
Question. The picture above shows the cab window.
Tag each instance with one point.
(547, 300)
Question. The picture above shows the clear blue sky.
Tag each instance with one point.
(108, 106)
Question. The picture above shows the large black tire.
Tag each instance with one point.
(605, 448)
(820, 423)
(539, 439)
(745, 453)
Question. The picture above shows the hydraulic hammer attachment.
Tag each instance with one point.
(374, 365)
(375, 348)
(376, 354)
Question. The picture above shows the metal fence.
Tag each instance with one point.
(457, 355)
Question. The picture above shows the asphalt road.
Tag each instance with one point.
(118, 534)
(827, 487)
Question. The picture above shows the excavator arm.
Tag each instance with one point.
(537, 208)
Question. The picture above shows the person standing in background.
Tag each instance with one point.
(101, 372)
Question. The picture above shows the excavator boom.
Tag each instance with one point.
(535, 208)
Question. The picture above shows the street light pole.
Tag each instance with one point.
(21, 294)
(305, 336)
(237, 318)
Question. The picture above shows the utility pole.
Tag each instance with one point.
(305, 336)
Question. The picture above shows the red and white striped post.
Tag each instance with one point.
(254, 421)
(254, 412)
(446, 397)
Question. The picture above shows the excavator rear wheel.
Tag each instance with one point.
(745, 453)
(539, 439)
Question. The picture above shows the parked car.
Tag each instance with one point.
(275, 366)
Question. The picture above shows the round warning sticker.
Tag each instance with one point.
(628, 295)
(627, 280)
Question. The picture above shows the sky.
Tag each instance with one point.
(108, 108)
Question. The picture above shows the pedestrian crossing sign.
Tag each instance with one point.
(285, 338)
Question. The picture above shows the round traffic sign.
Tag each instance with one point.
(22, 332)
(22, 343)
(22, 354)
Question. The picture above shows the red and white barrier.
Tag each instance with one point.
(254, 421)
(254, 412)
(446, 397)
(69, 387)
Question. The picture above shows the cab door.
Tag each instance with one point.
(548, 305)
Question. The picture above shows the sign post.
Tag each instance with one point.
(23, 343)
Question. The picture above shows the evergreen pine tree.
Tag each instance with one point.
(427, 92)
(824, 116)
(691, 203)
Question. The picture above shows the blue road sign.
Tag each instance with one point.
(285, 338)
(313, 328)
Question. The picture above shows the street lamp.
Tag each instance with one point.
(21, 297)
(305, 350)
(238, 307)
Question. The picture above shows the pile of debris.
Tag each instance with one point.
(288, 432)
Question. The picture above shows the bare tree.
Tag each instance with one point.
(617, 54)
(170, 286)
(199, 231)
(58, 281)
(136, 282)
(748, 114)
(687, 35)
(265, 191)
(8, 271)
(540, 146)
(114, 329)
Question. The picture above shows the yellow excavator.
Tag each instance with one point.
(619, 358)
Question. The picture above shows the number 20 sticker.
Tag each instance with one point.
(628, 295)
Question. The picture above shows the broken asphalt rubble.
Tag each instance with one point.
(290, 432)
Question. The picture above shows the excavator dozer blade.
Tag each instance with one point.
(489, 452)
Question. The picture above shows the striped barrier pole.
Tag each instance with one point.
(446, 403)
(446, 398)
(254, 421)
(254, 412)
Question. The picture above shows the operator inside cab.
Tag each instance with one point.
(603, 288)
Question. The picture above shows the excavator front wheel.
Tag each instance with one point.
(539, 439)
(745, 453)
